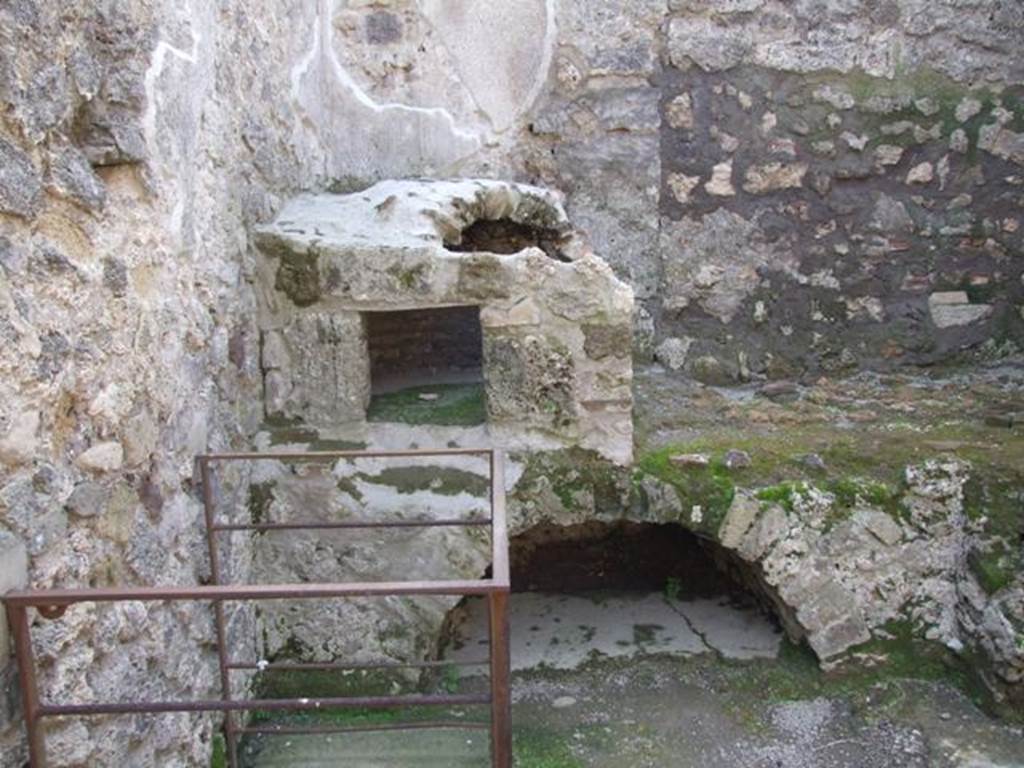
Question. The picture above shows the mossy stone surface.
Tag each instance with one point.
(461, 405)
(298, 277)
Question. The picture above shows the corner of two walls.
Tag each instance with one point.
(139, 145)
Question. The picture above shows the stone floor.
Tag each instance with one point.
(640, 680)
(564, 631)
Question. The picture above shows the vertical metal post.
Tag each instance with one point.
(497, 608)
(490, 468)
(230, 734)
(501, 714)
(17, 620)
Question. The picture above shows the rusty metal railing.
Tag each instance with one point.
(52, 603)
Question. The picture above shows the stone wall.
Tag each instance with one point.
(557, 368)
(134, 158)
(790, 188)
(797, 188)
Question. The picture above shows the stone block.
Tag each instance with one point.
(414, 276)
(328, 381)
(19, 445)
(672, 352)
(952, 308)
(529, 379)
(602, 341)
(742, 514)
(13, 575)
(21, 189)
(838, 638)
(102, 457)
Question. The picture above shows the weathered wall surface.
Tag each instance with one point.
(789, 187)
(836, 186)
(138, 143)
(557, 368)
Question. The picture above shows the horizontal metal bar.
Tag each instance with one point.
(288, 730)
(356, 524)
(264, 705)
(45, 598)
(313, 455)
(286, 666)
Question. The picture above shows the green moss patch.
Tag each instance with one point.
(298, 276)
(462, 405)
(711, 488)
(443, 481)
(293, 435)
(317, 684)
(261, 496)
(219, 753)
(577, 477)
(995, 567)
(293, 432)
(783, 494)
(849, 493)
(995, 504)
(537, 748)
(795, 675)
(358, 716)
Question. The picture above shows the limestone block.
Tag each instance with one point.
(277, 389)
(13, 575)
(837, 638)
(771, 177)
(523, 311)
(952, 308)
(881, 525)
(682, 186)
(672, 352)
(607, 382)
(762, 536)
(88, 499)
(274, 354)
(615, 39)
(663, 501)
(102, 457)
(72, 176)
(21, 191)
(720, 183)
(741, 516)
(529, 379)
(891, 216)
(680, 112)
(19, 445)
(1002, 142)
(888, 154)
(140, 437)
(922, 173)
(328, 381)
(711, 46)
(601, 341)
